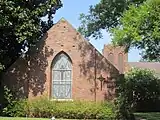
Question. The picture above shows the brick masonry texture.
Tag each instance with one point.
(31, 76)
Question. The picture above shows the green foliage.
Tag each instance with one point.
(8, 100)
(8, 95)
(12, 107)
(21, 118)
(132, 23)
(144, 89)
(142, 84)
(123, 109)
(148, 116)
(140, 28)
(16, 108)
(138, 91)
(104, 15)
(21, 20)
(45, 108)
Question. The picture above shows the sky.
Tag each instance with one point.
(73, 8)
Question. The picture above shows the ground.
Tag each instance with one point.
(147, 116)
(17, 118)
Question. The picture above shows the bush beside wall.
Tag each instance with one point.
(45, 108)
(138, 90)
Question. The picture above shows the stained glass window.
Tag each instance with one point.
(62, 77)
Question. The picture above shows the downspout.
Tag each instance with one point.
(95, 75)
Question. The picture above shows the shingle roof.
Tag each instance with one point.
(148, 65)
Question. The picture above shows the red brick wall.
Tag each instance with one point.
(117, 52)
(31, 76)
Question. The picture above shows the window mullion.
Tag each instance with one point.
(62, 77)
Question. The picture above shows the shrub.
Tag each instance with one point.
(45, 108)
(142, 89)
(12, 107)
(139, 90)
(16, 109)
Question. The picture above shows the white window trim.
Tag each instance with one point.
(58, 99)
(62, 100)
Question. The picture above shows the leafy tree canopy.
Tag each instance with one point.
(140, 27)
(139, 90)
(132, 23)
(104, 15)
(21, 24)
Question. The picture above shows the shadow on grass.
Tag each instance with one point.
(148, 116)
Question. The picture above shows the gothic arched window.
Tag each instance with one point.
(111, 57)
(62, 77)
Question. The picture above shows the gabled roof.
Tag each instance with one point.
(63, 20)
(155, 66)
(84, 40)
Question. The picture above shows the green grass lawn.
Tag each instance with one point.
(148, 116)
(22, 118)
(19, 118)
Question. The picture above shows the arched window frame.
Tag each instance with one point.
(111, 57)
(121, 62)
(65, 81)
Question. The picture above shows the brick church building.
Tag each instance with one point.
(65, 66)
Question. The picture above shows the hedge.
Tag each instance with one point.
(44, 108)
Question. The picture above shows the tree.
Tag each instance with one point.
(140, 28)
(139, 90)
(104, 15)
(142, 88)
(21, 25)
(132, 23)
